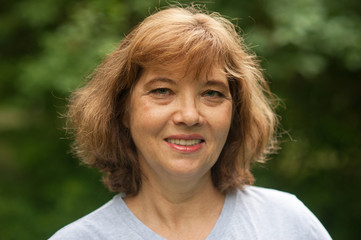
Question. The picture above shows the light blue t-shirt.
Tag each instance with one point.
(252, 213)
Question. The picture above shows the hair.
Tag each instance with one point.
(197, 40)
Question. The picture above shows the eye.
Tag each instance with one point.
(213, 94)
(161, 91)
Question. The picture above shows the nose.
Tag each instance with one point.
(187, 112)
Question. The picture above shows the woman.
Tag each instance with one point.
(173, 118)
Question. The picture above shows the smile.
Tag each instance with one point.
(184, 142)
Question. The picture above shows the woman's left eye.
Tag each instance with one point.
(213, 93)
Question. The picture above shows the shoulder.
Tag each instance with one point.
(105, 222)
(278, 213)
(270, 203)
(259, 195)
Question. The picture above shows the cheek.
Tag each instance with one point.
(145, 118)
(222, 120)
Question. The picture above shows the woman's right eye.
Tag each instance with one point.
(161, 91)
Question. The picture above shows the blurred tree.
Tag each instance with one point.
(312, 55)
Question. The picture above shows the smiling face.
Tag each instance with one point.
(179, 124)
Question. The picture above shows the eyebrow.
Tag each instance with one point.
(160, 79)
(217, 83)
(212, 82)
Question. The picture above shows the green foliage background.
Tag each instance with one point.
(311, 50)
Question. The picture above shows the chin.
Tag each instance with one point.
(187, 172)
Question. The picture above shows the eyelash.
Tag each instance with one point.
(167, 91)
(218, 94)
(160, 91)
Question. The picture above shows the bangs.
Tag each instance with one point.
(190, 43)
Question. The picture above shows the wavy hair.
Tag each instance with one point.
(198, 40)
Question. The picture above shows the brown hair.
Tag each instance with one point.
(192, 38)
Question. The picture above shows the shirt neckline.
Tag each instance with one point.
(145, 232)
(224, 218)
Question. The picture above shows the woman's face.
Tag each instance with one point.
(178, 124)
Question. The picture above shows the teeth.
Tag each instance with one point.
(184, 142)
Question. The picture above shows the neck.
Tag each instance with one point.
(168, 207)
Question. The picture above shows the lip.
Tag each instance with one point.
(185, 136)
(185, 149)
